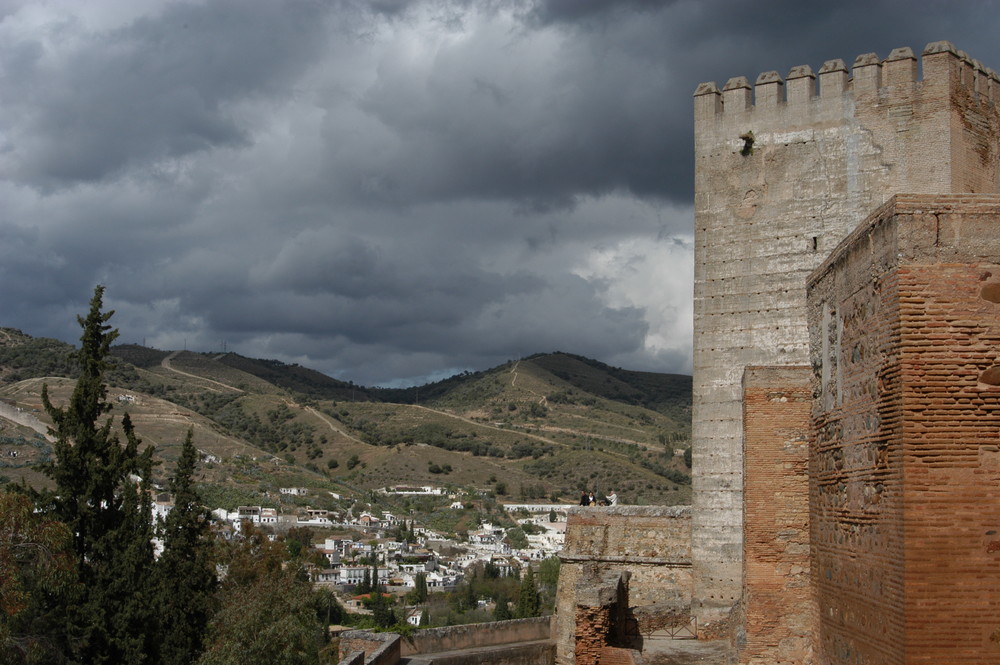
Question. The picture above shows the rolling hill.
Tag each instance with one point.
(543, 427)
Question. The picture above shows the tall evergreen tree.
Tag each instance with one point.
(185, 571)
(502, 610)
(107, 511)
(528, 602)
(366, 583)
(420, 588)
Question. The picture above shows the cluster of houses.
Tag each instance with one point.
(440, 561)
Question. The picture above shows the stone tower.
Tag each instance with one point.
(783, 172)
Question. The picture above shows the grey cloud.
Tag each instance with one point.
(570, 11)
(375, 342)
(89, 105)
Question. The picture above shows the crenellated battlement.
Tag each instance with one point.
(942, 64)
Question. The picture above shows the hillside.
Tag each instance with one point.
(543, 427)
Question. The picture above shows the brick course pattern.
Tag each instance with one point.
(905, 466)
(779, 608)
(592, 627)
(784, 170)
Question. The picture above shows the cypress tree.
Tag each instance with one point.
(502, 610)
(185, 571)
(108, 513)
(528, 602)
(420, 588)
(366, 583)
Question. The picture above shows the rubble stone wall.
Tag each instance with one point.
(450, 638)
(378, 648)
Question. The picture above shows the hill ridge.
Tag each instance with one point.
(543, 426)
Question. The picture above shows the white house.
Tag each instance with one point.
(326, 576)
(161, 509)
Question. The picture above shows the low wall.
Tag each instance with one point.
(353, 658)
(378, 648)
(452, 638)
(535, 653)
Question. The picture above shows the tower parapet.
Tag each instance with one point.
(784, 170)
(942, 64)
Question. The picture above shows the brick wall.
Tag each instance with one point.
(779, 609)
(592, 626)
(904, 470)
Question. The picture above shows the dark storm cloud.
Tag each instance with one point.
(570, 11)
(386, 191)
(159, 87)
(508, 113)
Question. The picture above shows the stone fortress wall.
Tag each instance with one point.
(783, 172)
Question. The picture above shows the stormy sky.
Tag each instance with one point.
(390, 192)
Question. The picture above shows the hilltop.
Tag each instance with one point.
(542, 427)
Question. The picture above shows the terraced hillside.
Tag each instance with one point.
(542, 427)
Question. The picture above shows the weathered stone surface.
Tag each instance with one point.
(768, 213)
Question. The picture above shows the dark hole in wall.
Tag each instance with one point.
(991, 376)
(991, 292)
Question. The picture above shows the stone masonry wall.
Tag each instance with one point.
(652, 543)
(451, 638)
(378, 648)
(778, 601)
(905, 468)
(783, 172)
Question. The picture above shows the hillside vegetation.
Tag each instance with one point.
(540, 428)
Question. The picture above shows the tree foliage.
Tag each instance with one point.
(528, 601)
(186, 569)
(101, 494)
(37, 568)
(273, 621)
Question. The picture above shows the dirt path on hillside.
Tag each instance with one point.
(165, 364)
(25, 418)
(542, 399)
(329, 421)
(484, 425)
(602, 437)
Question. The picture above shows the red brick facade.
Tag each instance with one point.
(592, 627)
(779, 609)
(905, 465)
